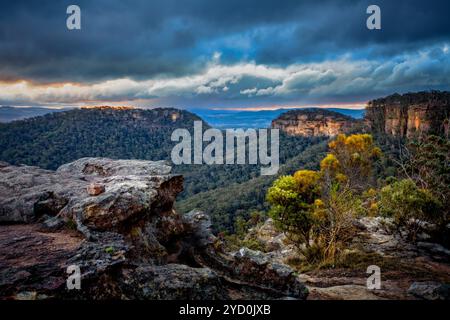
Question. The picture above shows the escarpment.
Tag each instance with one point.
(410, 115)
(115, 221)
(313, 122)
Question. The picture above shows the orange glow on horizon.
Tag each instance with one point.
(355, 106)
(80, 95)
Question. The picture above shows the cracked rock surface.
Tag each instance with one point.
(115, 220)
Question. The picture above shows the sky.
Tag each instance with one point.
(220, 54)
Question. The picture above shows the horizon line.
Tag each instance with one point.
(349, 106)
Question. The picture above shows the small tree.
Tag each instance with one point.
(321, 205)
(334, 216)
(292, 202)
(409, 205)
(427, 162)
(354, 156)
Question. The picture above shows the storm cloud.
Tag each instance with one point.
(198, 53)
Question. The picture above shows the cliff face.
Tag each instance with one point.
(313, 122)
(114, 220)
(409, 115)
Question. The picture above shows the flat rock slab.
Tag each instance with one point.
(345, 292)
(124, 190)
(129, 242)
(28, 255)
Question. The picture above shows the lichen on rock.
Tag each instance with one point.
(125, 237)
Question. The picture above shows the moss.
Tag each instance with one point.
(352, 260)
(136, 232)
(359, 260)
(70, 224)
(109, 250)
(254, 245)
(295, 262)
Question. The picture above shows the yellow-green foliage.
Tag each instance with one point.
(334, 216)
(330, 163)
(292, 202)
(354, 157)
(316, 208)
(407, 204)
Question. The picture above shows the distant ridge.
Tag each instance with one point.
(314, 122)
(221, 119)
(312, 113)
(56, 138)
(8, 114)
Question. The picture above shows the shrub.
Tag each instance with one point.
(292, 199)
(334, 216)
(353, 156)
(429, 166)
(317, 208)
(409, 205)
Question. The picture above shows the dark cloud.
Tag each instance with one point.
(146, 39)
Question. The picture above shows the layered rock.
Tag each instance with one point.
(411, 114)
(313, 122)
(430, 290)
(114, 219)
(409, 271)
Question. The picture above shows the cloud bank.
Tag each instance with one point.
(315, 82)
(199, 53)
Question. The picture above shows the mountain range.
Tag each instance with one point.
(53, 139)
(225, 192)
(221, 119)
(8, 113)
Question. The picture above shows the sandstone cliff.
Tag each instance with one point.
(114, 219)
(313, 122)
(411, 114)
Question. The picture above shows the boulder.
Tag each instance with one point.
(172, 282)
(256, 267)
(435, 248)
(132, 188)
(115, 221)
(344, 292)
(430, 290)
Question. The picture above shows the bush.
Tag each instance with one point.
(334, 216)
(317, 208)
(409, 206)
(241, 237)
(428, 164)
(292, 199)
(354, 157)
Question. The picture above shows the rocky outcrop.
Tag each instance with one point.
(410, 115)
(430, 290)
(275, 243)
(313, 122)
(408, 271)
(114, 220)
